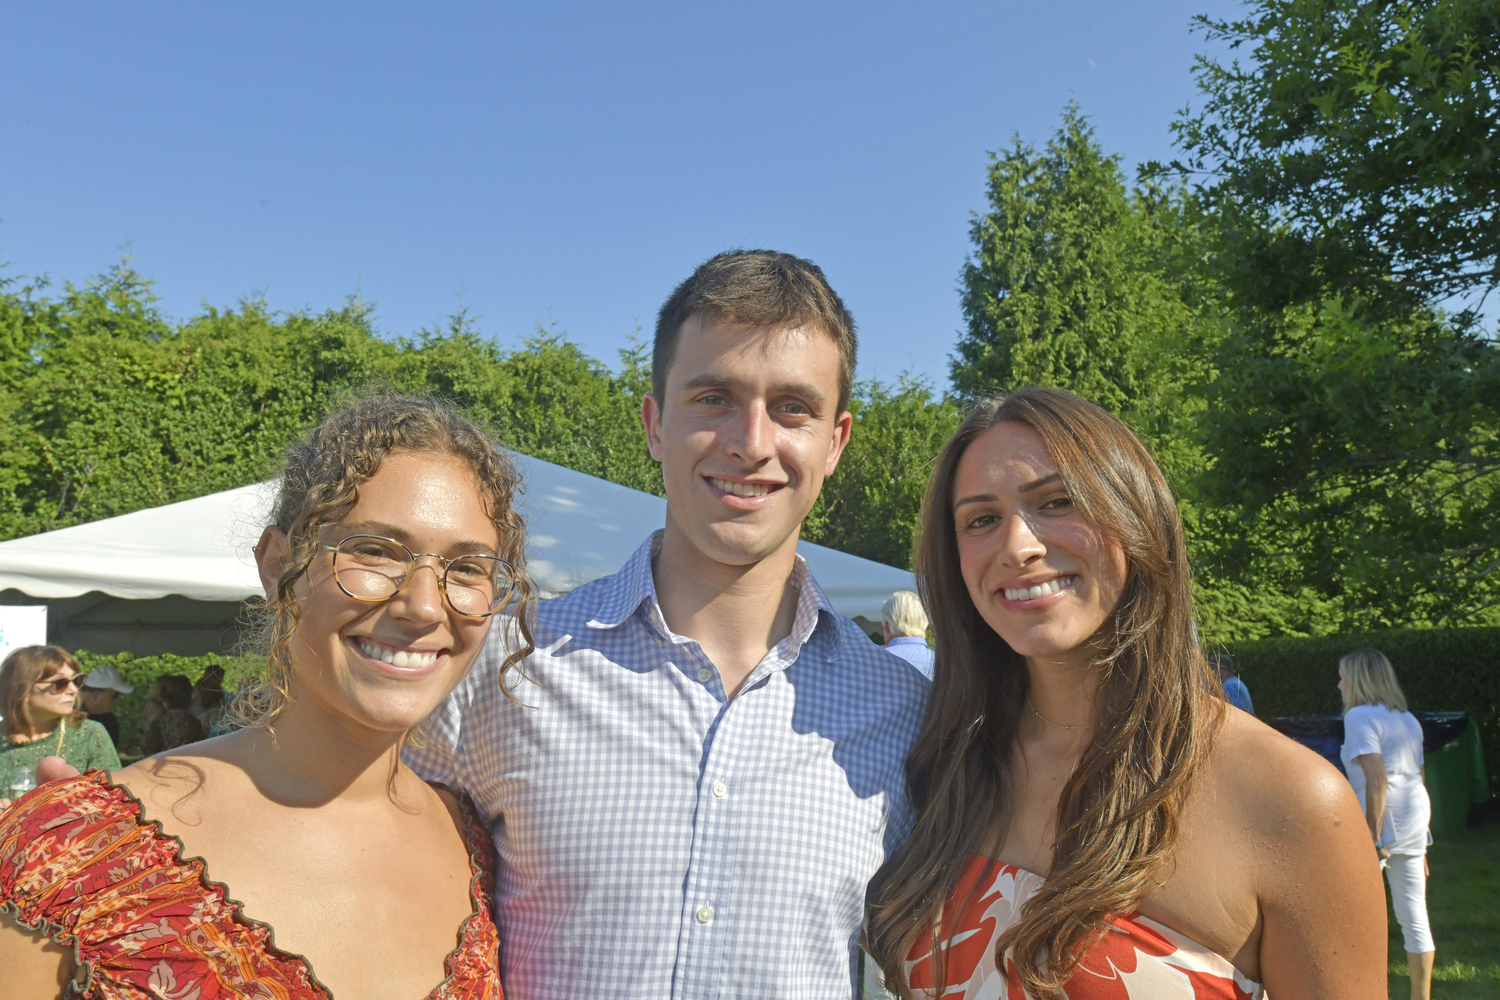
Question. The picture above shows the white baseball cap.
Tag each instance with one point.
(101, 678)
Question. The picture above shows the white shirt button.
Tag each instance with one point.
(703, 676)
(705, 914)
(720, 789)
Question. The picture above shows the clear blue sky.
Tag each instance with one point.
(559, 162)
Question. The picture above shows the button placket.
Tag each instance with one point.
(711, 885)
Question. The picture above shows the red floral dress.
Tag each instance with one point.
(1138, 959)
(78, 861)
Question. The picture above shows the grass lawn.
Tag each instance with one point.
(1463, 903)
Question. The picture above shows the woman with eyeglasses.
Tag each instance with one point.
(298, 857)
(39, 688)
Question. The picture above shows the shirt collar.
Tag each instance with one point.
(633, 586)
(906, 640)
(628, 589)
(812, 608)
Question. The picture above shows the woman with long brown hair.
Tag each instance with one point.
(393, 548)
(1093, 824)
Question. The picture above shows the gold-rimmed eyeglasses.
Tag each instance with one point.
(373, 569)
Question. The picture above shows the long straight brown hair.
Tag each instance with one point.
(1117, 819)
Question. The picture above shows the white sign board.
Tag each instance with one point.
(22, 626)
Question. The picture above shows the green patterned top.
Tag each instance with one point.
(85, 746)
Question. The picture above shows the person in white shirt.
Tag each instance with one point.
(1382, 754)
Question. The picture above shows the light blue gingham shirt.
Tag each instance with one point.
(657, 839)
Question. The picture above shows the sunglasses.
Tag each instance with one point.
(60, 684)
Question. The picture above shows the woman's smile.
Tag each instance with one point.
(402, 662)
(1029, 596)
(390, 661)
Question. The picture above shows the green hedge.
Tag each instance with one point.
(142, 671)
(1441, 670)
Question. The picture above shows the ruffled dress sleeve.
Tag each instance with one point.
(78, 863)
(56, 845)
(473, 966)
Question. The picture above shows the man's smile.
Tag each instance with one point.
(743, 489)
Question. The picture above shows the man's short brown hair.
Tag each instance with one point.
(756, 289)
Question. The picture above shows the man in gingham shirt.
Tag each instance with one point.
(702, 766)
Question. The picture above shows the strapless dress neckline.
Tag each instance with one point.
(1138, 959)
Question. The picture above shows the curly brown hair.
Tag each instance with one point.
(320, 481)
(1118, 816)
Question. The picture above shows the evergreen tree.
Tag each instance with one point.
(1079, 282)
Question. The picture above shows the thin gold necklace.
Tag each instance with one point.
(1048, 721)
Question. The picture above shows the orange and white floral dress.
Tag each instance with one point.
(79, 863)
(1137, 959)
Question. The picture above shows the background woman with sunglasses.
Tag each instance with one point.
(38, 699)
(389, 557)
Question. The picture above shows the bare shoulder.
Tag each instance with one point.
(1310, 859)
(451, 803)
(198, 774)
(1274, 786)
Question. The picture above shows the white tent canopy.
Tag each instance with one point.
(580, 528)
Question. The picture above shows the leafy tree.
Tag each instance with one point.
(870, 506)
(550, 400)
(1375, 443)
(110, 408)
(1332, 460)
(120, 410)
(1355, 153)
(1351, 170)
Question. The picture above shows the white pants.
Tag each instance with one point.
(1409, 900)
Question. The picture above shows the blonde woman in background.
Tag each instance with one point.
(1382, 755)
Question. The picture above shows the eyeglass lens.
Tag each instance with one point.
(60, 684)
(371, 568)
